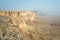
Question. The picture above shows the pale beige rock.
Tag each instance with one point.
(25, 25)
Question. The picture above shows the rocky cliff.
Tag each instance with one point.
(25, 25)
(18, 17)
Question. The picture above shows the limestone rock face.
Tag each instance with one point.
(25, 25)
(18, 17)
(13, 23)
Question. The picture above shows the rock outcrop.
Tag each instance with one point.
(18, 17)
(25, 25)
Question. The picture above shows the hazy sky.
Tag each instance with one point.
(51, 5)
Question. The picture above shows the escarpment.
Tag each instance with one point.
(19, 17)
(26, 25)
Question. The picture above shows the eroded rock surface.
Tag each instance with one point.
(25, 25)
